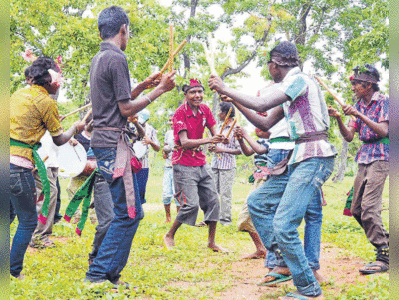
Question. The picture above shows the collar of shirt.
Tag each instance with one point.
(292, 72)
(40, 89)
(374, 98)
(109, 46)
(189, 112)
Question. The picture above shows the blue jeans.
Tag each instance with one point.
(114, 250)
(103, 206)
(257, 198)
(23, 200)
(142, 178)
(312, 237)
(288, 199)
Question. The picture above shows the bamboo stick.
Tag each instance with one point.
(332, 94)
(77, 110)
(87, 115)
(226, 120)
(170, 48)
(174, 54)
(231, 128)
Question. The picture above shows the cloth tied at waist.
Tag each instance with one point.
(125, 158)
(42, 171)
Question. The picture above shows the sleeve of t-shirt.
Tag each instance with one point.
(384, 111)
(210, 119)
(49, 113)
(179, 122)
(120, 78)
(293, 87)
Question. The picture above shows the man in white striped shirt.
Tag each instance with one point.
(224, 164)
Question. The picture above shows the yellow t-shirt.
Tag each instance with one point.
(32, 112)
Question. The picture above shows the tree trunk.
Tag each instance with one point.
(343, 158)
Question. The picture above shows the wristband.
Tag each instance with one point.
(148, 98)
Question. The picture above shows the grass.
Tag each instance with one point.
(190, 271)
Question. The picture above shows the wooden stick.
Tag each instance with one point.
(231, 128)
(332, 94)
(225, 120)
(44, 160)
(170, 48)
(87, 115)
(174, 54)
(77, 110)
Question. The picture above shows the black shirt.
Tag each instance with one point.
(109, 83)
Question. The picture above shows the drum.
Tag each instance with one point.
(139, 149)
(71, 159)
(90, 166)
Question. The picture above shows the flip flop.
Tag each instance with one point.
(297, 296)
(367, 271)
(278, 278)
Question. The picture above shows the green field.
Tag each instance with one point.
(58, 273)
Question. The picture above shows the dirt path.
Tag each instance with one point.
(336, 267)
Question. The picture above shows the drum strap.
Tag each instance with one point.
(41, 168)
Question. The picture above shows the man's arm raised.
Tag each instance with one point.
(129, 107)
(259, 104)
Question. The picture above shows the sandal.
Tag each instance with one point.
(278, 278)
(373, 268)
(298, 296)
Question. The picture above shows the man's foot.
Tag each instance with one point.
(19, 277)
(374, 267)
(269, 280)
(40, 244)
(216, 248)
(256, 255)
(201, 224)
(320, 279)
(120, 283)
(296, 295)
(168, 241)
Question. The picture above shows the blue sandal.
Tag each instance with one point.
(278, 278)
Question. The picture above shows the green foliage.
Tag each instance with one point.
(191, 271)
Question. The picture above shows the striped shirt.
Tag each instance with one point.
(377, 111)
(151, 133)
(227, 161)
(306, 112)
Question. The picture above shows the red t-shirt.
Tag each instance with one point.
(184, 119)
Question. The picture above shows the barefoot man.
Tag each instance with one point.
(194, 185)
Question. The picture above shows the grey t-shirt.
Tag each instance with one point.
(109, 83)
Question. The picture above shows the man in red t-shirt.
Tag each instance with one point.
(194, 185)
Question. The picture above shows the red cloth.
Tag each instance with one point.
(184, 119)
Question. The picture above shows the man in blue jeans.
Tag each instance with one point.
(286, 198)
(112, 104)
(280, 146)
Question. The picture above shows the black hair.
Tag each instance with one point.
(27, 73)
(225, 107)
(38, 71)
(110, 21)
(186, 87)
(288, 53)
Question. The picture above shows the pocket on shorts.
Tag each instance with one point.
(16, 184)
